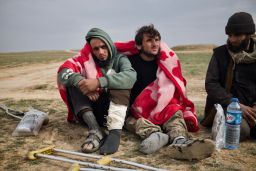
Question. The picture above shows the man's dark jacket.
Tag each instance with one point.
(243, 84)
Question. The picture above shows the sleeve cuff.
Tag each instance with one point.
(103, 82)
(77, 78)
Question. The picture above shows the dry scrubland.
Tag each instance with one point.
(28, 79)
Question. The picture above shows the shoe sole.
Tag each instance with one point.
(197, 150)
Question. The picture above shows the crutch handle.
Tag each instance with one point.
(104, 160)
(46, 150)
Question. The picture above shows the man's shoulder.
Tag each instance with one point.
(120, 59)
(134, 58)
(221, 53)
(220, 48)
(118, 56)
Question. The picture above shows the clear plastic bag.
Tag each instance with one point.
(218, 127)
(31, 123)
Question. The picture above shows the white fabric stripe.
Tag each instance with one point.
(116, 116)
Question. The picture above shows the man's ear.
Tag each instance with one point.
(138, 47)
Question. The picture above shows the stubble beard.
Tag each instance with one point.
(242, 47)
(101, 64)
(150, 55)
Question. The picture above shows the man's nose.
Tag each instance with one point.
(101, 51)
(233, 38)
(154, 42)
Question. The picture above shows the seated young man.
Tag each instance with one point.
(160, 112)
(95, 86)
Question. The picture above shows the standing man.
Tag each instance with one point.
(232, 73)
(160, 112)
(89, 81)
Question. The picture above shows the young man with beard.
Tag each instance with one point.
(232, 73)
(160, 112)
(95, 86)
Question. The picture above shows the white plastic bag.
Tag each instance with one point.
(218, 127)
(31, 123)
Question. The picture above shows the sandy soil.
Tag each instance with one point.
(38, 82)
(19, 82)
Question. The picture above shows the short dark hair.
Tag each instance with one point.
(150, 30)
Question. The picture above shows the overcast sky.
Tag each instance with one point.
(28, 25)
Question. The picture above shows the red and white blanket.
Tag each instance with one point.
(84, 64)
(158, 101)
(167, 94)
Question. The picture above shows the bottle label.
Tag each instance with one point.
(234, 118)
(232, 136)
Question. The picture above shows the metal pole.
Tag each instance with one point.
(89, 169)
(82, 163)
(113, 159)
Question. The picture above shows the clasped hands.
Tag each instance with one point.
(90, 87)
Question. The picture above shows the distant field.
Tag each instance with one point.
(194, 64)
(199, 47)
(23, 58)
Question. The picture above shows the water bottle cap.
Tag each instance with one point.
(235, 100)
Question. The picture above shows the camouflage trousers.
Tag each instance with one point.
(174, 127)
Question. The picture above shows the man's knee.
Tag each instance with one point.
(78, 101)
(176, 126)
(120, 96)
(176, 121)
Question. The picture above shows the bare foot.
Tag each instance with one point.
(92, 142)
(87, 147)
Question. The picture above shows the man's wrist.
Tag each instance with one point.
(103, 82)
(77, 79)
(98, 83)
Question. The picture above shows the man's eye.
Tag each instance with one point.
(96, 49)
(104, 47)
(235, 34)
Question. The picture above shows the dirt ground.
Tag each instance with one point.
(36, 85)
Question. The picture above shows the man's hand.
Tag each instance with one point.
(88, 85)
(254, 107)
(249, 114)
(93, 96)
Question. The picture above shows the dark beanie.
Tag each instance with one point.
(240, 23)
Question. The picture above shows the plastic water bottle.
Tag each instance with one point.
(233, 122)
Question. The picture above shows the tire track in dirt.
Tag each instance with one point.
(35, 81)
